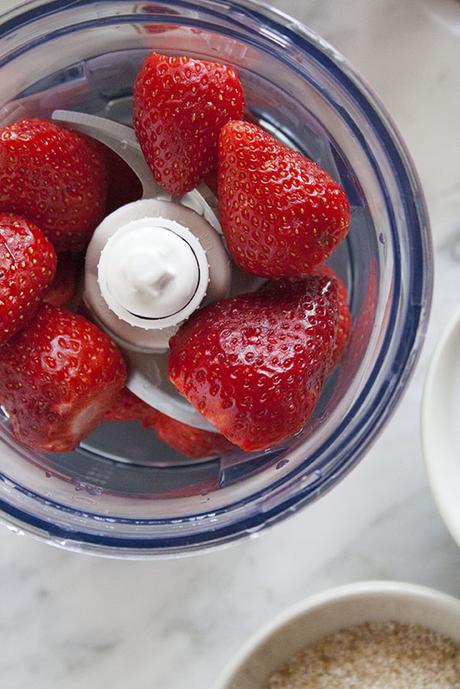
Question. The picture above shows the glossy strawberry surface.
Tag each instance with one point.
(56, 178)
(27, 267)
(58, 377)
(280, 212)
(180, 105)
(254, 365)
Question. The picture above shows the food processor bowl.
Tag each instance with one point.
(124, 493)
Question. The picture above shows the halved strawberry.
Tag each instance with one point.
(128, 407)
(58, 377)
(56, 178)
(190, 490)
(344, 322)
(280, 212)
(180, 105)
(65, 283)
(27, 266)
(254, 365)
(190, 441)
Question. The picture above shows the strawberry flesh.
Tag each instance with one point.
(56, 178)
(58, 377)
(128, 407)
(27, 267)
(180, 105)
(254, 365)
(280, 212)
(192, 442)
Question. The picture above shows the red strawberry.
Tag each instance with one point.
(344, 322)
(65, 283)
(254, 365)
(128, 407)
(55, 177)
(27, 266)
(58, 377)
(124, 185)
(158, 28)
(281, 214)
(190, 490)
(180, 105)
(192, 442)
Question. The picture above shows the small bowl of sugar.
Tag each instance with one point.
(370, 635)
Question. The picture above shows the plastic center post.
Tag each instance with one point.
(152, 272)
(153, 269)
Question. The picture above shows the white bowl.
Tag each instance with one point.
(330, 611)
(440, 426)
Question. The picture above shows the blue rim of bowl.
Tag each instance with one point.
(419, 292)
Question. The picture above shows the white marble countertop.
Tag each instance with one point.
(68, 621)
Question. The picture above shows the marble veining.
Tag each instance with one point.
(68, 621)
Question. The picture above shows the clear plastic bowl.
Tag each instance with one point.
(123, 493)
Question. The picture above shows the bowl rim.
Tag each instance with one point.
(435, 469)
(389, 590)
